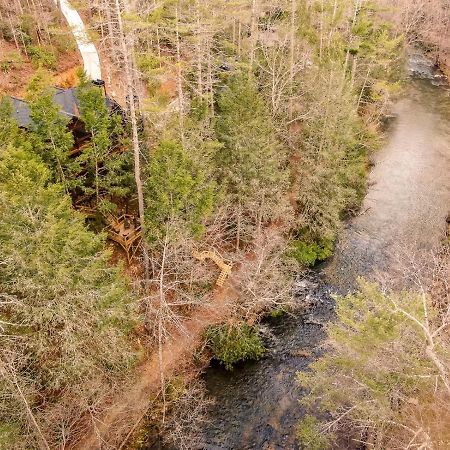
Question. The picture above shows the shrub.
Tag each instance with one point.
(61, 42)
(148, 62)
(149, 66)
(233, 343)
(308, 251)
(310, 434)
(10, 61)
(42, 56)
(277, 312)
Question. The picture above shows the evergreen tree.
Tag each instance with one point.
(250, 162)
(377, 56)
(10, 133)
(65, 312)
(108, 171)
(386, 371)
(50, 137)
(331, 165)
(175, 189)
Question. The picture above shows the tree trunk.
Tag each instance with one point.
(292, 57)
(253, 35)
(179, 78)
(199, 48)
(127, 45)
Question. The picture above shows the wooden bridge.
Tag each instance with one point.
(225, 268)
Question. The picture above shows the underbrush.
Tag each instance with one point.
(42, 56)
(231, 344)
(308, 251)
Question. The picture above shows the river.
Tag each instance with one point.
(404, 213)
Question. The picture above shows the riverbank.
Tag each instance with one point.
(404, 212)
(257, 403)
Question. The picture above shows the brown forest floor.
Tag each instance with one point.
(14, 81)
(114, 427)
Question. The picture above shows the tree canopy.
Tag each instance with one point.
(65, 311)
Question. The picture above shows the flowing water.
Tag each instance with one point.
(404, 211)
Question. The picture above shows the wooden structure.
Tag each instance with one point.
(69, 108)
(125, 230)
(225, 268)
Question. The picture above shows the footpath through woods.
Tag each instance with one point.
(126, 411)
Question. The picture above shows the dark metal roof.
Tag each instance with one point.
(21, 112)
(65, 98)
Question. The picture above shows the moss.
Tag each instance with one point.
(233, 343)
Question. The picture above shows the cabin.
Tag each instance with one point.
(124, 229)
(69, 107)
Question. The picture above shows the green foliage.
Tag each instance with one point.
(308, 252)
(332, 167)
(42, 56)
(175, 189)
(50, 137)
(374, 43)
(199, 109)
(200, 141)
(66, 313)
(233, 343)
(310, 434)
(10, 133)
(251, 159)
(5, 31)
(9, 435)
(61, 41)
(276, 313)
(107, 169)
(150, 66)
(175, 388)
(10, 61)
(28, 25)
(378, 368)
(326, 18)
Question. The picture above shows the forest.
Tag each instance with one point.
(154, 220)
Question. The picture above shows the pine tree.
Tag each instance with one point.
(386, 372)
(10, 133)
(175, 189)
(65, 312)
(50, 137)
(107, 169)
(250, 162)
(332, 155)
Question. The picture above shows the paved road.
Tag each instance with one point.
(87, 48)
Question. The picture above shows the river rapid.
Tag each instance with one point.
(403, 214)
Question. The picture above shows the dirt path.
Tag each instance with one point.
(112, 428)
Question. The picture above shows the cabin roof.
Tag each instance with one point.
(65, 98)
